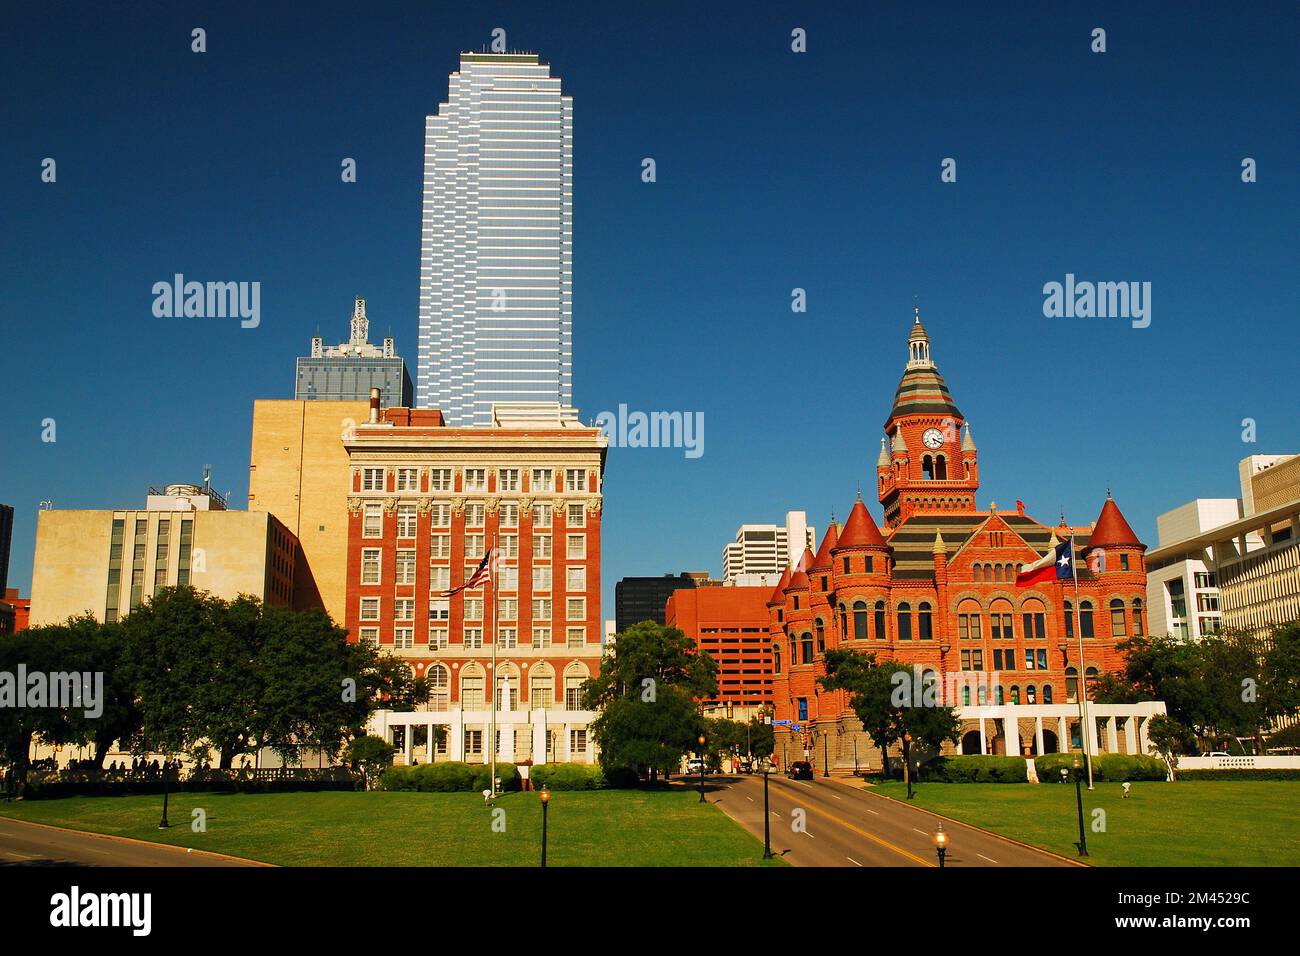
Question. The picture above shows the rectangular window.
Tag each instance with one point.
(542, 577)
(440, 546)
(475, 545)
(577, 579)
(370, 565)
(997, 659)
(114, 571)
(577, 609)
(137, 564)
(475, 514)
(440, 515)
(965, 660)
(474, 738)
(509, 545)
(573, 693)
(509, 578)
(578, 743)
(576, 637)
(509, 515)
(474, 638)
(543, 479)
(439, 609)
(370, 609)
(403, 637)
(372, 479)
(473, 608)
(977, 659)
(509, 640)
(369, 635)
(508, 609)
(541, 516)
(404, 609)
(372, 524)
(542, 546)
(476, 479)
(160, 555)
(440, 479)
(577, 514)
(408, 479)
(541, 636)
(575, 479)
(439, 579)
(577, 546)
(405, 567)
(541, 609)
(1011, 659)
(508, 479)
(187, 538)
(437, 640)
(1042, 658)
(406, 521)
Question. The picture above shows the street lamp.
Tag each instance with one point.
(1078, 793)
(163, 824)
(545, 796)
(941, 844)
(907, 763)
(767, 819)
(702, 800)
(826, 753)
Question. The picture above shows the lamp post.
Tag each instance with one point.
(826, 753)
(702, 800)
(545, 796)
(1082, 845)
(941, 844)
(163, 824)
(907, 763)
(767, 820)
(855, 756)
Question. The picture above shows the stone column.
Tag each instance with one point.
(456, 733)
(408, 741)
(984, 746)
(1062, 735)
(1011, 734)
(428, 743)
(1144, 742)
(1038, 736)
(1130, 734)
(1112, 739)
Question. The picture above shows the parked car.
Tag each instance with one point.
(1215, 753)
(745, 766)
(799, 770)
(695, 766)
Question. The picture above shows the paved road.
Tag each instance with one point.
(31, 844)
(846, 825)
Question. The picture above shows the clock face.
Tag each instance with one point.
(933, 438)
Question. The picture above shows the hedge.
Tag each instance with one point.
(975, 769)
(1237, 773)
(449, 776)
(568, 776)
(68, 783)
(1114, 768)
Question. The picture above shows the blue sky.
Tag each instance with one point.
(776, 170)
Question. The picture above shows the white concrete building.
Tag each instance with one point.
(536, 734)
(761, 552)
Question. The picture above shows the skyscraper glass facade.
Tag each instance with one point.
(496, 246)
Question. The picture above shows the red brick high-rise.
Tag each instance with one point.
(935, 587)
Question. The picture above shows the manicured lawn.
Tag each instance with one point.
(1211, 823)
(589, 828)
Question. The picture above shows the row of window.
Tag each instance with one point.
(472, 638)
(1004, 659)
(440, 608)
(476, 479)
(372, 524)
(404, 559)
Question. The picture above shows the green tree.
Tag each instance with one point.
(1168, 739)
(647, 696)
(1280, 673)
(886, 715)
(370, 755)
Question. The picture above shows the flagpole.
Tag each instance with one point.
(496, 686)
(1084, 730)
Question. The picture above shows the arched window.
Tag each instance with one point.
(930, 685)
(941, 468)
(1033, 619)
(927, 468)
(880, 621)
(807, 648)
(965, 696)
(998, 696)
(1085, 619)
(1139, 629)
(1031, 694)
(844, 624)
(820, 627)
(983, 695)
(979, 574)
(904, 622)
(859, 620)
(968, 621)
(1090, 674)
(439, 687)
(506, 696)
(1069, 619)
(924, 622)
(1000, 621)
(1071, 685)
(472, 687)
(1015, 694)
(1047, 693)
(997, 572)
(575, 675)
(1117, 618)
(776, 658)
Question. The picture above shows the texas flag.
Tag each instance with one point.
(1055, 564)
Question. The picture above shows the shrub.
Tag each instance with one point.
(621, 778)
(506, 772)
(1239, 773)
(1113, 768)
(568, 776)
(975, 769)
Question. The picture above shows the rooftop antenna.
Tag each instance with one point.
(207, 477)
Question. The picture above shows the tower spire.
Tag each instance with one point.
(360, 332)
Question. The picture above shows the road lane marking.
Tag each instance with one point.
(853, 861)
(750, 799)
(989, 858)
(872, 837)
(922, 832)
(869, 810)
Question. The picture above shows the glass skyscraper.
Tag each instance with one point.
(496, 245)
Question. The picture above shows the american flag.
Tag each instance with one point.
(481, 574)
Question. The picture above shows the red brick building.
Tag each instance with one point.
(425, 503)
(15, 612)
(730, 624)
(934, 586)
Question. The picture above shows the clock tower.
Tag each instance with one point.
(927, 460)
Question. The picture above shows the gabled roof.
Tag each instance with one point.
(1112, 530)
(913, 540)
(860, 531)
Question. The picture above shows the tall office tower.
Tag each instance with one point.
(348, 371)
(496, 243)
(762, 551)
(6, 539)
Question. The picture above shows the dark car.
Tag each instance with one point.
(799, 770)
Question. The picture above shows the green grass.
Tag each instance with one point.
(1210, 823)
(594, 828)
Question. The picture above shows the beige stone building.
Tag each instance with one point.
(108, 563)
(299, 471)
